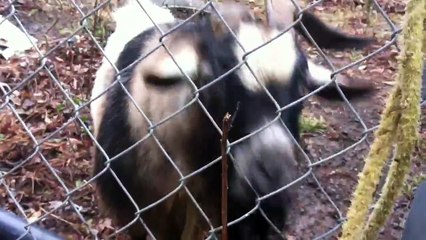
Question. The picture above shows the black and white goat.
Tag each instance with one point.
(145, 158)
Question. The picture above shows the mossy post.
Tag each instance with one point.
(399, 123)
(370, 176)
(409, 81)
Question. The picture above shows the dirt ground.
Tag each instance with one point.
(40, 174)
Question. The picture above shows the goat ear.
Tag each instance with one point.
(233, 14)
(352, 88)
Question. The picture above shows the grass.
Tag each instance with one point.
(410, 185)
(414, 181)
(310, 124)
(98, 23)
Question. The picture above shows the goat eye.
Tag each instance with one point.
(162, 82)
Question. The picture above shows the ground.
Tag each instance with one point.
(39, 176)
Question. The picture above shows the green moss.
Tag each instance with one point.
(399, 124)
(371, 173)
(409, 80)
(414, 182)
(310, 124)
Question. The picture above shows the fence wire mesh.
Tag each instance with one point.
(46, 134)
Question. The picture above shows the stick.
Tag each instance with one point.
(225, 129)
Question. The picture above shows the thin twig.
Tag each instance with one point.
(95, 18)
(225, 129)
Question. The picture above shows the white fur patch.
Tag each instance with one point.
(281, 13)
(104, 77)
(276, 135)
(319, 74)
(130, 20)
(186, 57)
(273, 62)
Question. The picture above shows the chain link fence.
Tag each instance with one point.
(46, 135)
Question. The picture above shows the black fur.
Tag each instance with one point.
(250, 107)
(114, 137)
(327, 37)
(267, 171)
(116, 101)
